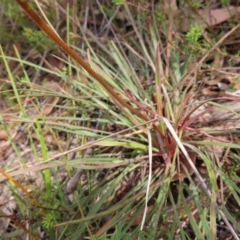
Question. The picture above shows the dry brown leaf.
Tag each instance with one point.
(3, 135)
(139, 218)
(181, 174)
(215, 16)
(104, 228)
(51, 104)
(53, 63)
(210, 17)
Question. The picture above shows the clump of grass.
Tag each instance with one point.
(136, 170)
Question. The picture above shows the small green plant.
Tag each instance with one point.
(117, 2)
(37, 38)
(160, 17)
(194, 34)
(50, 219)
(194, 41)
(34, 37)
(192, 3)
(225, 3)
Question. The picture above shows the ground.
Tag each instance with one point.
(138, 138)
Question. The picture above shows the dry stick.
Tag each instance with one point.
(45, 28)
(73, 182)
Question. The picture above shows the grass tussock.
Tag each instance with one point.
(144, 145)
